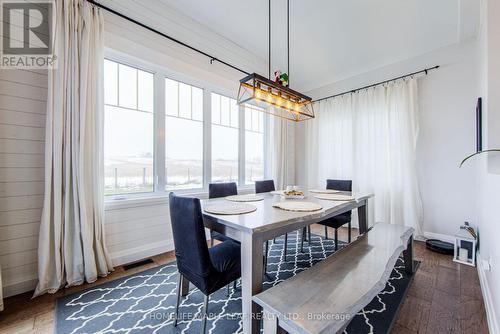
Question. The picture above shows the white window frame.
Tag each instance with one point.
(159, 191)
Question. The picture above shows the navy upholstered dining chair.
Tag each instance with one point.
(264, 186)
(209, 269)
(342, 219)
(216, 190)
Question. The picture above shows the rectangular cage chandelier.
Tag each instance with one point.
(275, 98)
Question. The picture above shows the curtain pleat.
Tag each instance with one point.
(71, 247)
(370, 137)
(277, 154)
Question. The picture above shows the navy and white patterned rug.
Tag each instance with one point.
(145, 302)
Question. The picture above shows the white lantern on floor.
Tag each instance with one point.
(465, 246)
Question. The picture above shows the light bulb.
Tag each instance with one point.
(269, 98)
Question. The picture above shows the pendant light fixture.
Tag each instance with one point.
(275, 98)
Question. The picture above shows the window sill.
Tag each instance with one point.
(150, 199)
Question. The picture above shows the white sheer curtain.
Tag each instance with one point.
(277, 153)
(370, 138)
(71, 246)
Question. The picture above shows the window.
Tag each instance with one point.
(225, 139)
(156, 138)
(184, 135)
(128, 129)
(254, 144)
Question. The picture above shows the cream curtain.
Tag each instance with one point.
(370, 138)
(71, 246)
(278, 153)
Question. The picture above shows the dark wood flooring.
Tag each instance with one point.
(444, 297)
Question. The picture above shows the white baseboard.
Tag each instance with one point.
(431, 235)
(491, 315)
(25, 285)
(140, 253)
(119, 258)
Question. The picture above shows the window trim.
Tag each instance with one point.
(159, 193)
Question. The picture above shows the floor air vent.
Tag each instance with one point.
(137, 264)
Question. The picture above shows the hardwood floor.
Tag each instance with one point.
(444, 297)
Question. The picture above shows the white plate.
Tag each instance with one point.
(278, 192)
(335, 197)
(229, 208)
(324, 191)
(245, 198)
(298, 206)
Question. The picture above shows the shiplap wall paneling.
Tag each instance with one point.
(139, 232)
(23, 95)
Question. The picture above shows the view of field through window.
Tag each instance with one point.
(225, 139)
(128, 129)
(184, 135)
(254, 144)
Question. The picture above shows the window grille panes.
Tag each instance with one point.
(128, 129)
(254, 144)
(183, 136)
(225, 139)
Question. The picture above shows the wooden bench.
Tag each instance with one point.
(324, 298)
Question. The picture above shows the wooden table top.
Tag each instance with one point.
(266, 217)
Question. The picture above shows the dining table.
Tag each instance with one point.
(265, 223)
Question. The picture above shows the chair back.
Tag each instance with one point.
(191, 249)
(264, 186)
(342, 185)
(222, 189)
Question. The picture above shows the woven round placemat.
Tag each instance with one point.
(245, 198)
(334, 197)
(301, 206)
(229, 208)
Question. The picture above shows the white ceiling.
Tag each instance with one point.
(334, 39)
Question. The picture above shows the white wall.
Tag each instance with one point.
(447, 98)
(488, 167)
(23, 96)
(447, 101)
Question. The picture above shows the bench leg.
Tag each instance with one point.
(408, 256)
(326, 232)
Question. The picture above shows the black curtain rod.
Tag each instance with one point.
(212, 58)
(379, 83)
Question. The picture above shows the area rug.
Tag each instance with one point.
(145, 302)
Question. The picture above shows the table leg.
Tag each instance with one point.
(363, 217)
(270, 323)
(251, 281)
(408, 256)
